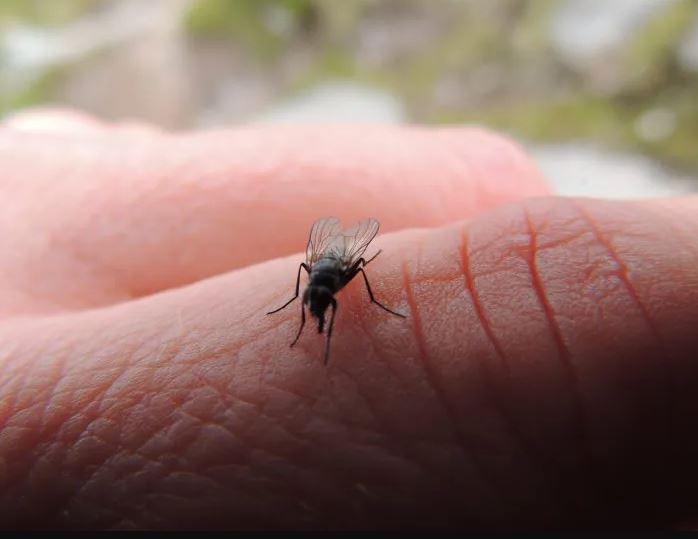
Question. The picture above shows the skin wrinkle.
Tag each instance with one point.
(22, 378)
(33, 437)
(437, 391)
(622, 272)
(570, 462)
(106, 391)
(157, 461)
(658, 208)
(662, 373)
(14, 396)
(688, 245)
(400, 447)
(369, 337)
(44, 449)
(57, 393)
(154, 468)
(666, 439)
(338, 420)
(260, 384)
(194, 423)
(297, 405)
(593, 270)
(397, 449)
(609, 371)
(563, 352)
(360, 428)
(453, 253)
(477, 303)
(91, 401)
(347, 422)
(301, 397)
(373, 445)
(259, 407)
(7, 351)
(566, 241)
(86, 482)
(515, 433)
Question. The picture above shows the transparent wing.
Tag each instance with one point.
(321, 235)
(349, 245)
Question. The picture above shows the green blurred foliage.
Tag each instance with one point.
(45, 12)
(651, 54)
(250, 22)
(38, 92)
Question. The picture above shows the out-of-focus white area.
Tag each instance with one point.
(587, 170)
(338, 102)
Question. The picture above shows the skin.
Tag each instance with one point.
(545, 376)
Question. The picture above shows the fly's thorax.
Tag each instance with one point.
(326, 273)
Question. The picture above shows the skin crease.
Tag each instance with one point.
(545, 376)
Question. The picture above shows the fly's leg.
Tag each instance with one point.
(300, 329)
(367, 262)
(362, 262)
(298, 284)
(329, 331)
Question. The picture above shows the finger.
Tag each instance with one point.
(98, 219)
(545, 376)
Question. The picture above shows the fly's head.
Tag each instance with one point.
(318, 298)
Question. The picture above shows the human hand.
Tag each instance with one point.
(545, 375)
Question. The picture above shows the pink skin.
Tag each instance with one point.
(546, 374)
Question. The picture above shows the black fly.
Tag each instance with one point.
(333, 257)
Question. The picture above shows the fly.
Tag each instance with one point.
(333, 257)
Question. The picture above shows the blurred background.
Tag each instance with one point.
(604, 93)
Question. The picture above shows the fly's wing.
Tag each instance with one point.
(321, 235)
(350, 245)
